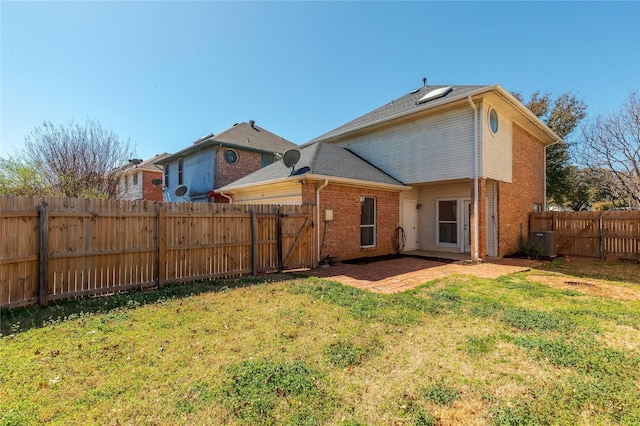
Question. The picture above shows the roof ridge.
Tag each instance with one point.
(314, 157)
(374, 166)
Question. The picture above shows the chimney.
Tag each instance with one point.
(252, 123)
(424, 82)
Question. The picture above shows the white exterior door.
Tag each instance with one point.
(467, 226)
(409, 219)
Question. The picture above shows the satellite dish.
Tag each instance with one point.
(291, 157)
(181, 190)
(156, 182)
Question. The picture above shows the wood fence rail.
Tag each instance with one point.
(56, 248)
(605, 234)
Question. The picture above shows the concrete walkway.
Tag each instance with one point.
(404, 273)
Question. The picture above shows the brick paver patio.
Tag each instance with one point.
(404, 273)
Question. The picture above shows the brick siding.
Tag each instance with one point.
(150, 191)
(342, 237)
(516, 199)
(248, 162)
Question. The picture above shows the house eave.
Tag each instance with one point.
(462, 98)
(230, 189)
(210, 143)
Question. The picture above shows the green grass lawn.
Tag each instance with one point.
(303, 351)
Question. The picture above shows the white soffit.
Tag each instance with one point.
(434, 94)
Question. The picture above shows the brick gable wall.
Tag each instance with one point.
(248, 162)
(150, 191)
(516, 199)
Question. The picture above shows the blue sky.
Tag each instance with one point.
(162, 74)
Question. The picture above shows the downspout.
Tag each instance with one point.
(227, 197)
(475, 180)
(326, 182)
(544, 195)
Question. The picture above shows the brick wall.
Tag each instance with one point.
(150, 191)
(248, 162)
(516, 199)
(342, 237)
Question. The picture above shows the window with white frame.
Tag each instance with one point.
(135, 179)
(368, 222)
(180, 170)
(166, 175)
(448, 222)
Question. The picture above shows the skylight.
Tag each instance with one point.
(435, 94)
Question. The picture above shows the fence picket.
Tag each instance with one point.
(609, 234)
(90, 247)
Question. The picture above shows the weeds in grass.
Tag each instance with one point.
(527, 319)
(478, 345)
(440, 394)
(268, 392)
(343, 354)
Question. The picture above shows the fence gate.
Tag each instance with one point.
(295, 237)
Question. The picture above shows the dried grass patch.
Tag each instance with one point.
(587, 286)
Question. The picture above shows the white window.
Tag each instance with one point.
(180, 170)
(447, 222)
(135, 179)
(368, 222)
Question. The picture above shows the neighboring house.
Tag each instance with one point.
(458, 151)
(136, 180)
(215, 161)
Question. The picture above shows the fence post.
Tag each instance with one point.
(44, 254)
(162, 254)
(279, 233)
(254, 243)
(603, 255)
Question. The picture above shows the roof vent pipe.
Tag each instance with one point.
(424, 82)
(252, 123)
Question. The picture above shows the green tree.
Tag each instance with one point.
(562, 115)
(78, 160)
(21, 177)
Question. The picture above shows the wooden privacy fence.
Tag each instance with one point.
(55, 249)
(606, 234)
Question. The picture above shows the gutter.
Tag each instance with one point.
(326, 182)
(475, 179)
(311, 176)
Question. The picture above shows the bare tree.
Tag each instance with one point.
(78, 160)
(611, 148)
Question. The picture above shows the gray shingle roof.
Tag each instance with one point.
(403, 105)
(324, 160)
(242, 136)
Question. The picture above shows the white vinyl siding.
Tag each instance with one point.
(496, 148)
(428, 149)
(428, 196)
(127, 189)
(287, 193)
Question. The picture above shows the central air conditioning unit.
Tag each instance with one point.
(546, 240)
